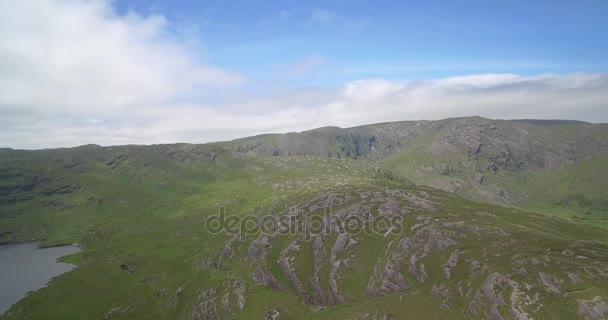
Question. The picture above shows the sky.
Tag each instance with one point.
(75, 72)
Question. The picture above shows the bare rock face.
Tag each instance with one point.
(501, 144)
(508, 145)
(450, 264)
(228, 252)
(205, 306)
(574, 277)
(119, 312)
(173, 300)
(522, 272)
(442, 293)
(273, 314)
(256, 253)
(550, 283)
(494, 314)
(334, 296)
(490, 290)
(392, 207)
(257, 249)
(234, 291)
(265, 278)
(231, 296)
(479, 178)
(285, 261)
(318, 255)
(417, 271)
(491, 294)
(390, 278)
(421, 203)
(595, 309)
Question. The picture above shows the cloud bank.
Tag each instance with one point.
(75, 72)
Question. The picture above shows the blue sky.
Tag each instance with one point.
(110, 72)
(392, 39)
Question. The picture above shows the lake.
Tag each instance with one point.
(25, 267)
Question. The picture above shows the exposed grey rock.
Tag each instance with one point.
(284, 261)
(550, 282)
(522, 272)
(478, 177)
(118, 311)
(441, 292)
(391, 207)
(334, 296)
(494, 314)
(390, 278)
(569, 253)
(421, 203)
(595, 309)
(319, 295)
(488, 290)
(234, 291)
(204, 307)
(437, 239)
(575, 278)
(272, 315)
(257, 249)
(491, 293)
(443, 169)
(450, 264)
(265, 278)
(210, 263)
(173, 300)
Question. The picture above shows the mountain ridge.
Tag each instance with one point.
(464, 194)
(532, 121)
(460, 155)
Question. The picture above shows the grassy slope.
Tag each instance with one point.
(151, 218)
(144, 207)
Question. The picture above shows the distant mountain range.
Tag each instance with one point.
(498, 219)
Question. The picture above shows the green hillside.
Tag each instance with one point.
(464, 218)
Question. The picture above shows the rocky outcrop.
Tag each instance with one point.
(265, 278)
(286, 262)
(218, 302)
(234, 297)
(441, 292)
(594, 309)
(450, 264)
(318, 253)
(205, 307)
(334, 296)
(550, 283)
(172, 301)
(389, 278)
(118, 312)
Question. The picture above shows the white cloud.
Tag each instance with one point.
(78, 55)
(74, 72)
(370, 89)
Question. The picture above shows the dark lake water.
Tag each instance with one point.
(24, 267)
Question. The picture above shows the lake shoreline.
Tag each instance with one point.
(28, 266)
